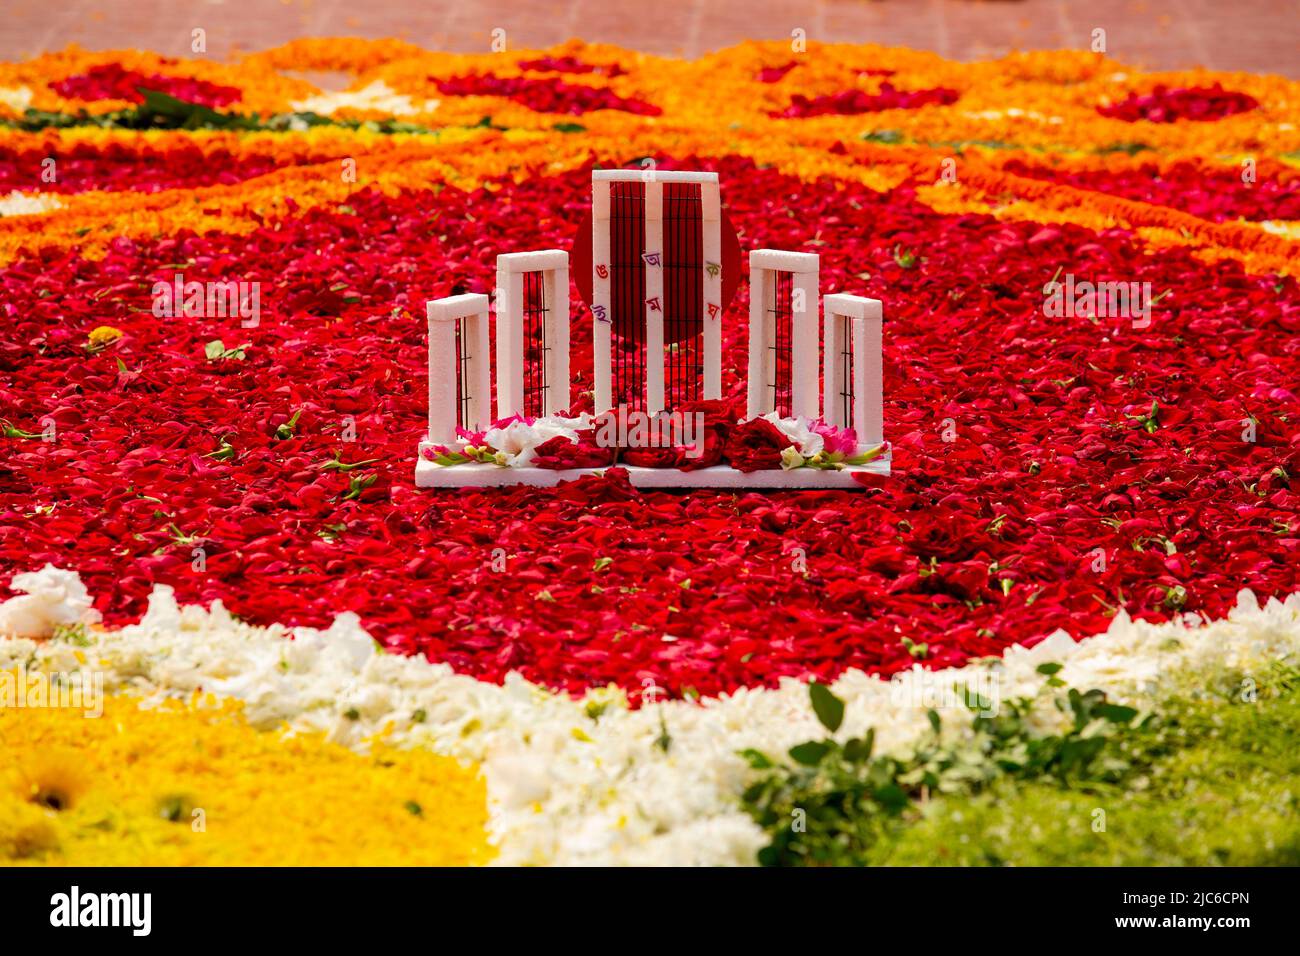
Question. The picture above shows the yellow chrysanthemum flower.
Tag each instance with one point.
(102, 337)
(51, 779)
(26, 831)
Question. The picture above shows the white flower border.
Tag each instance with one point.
(566, 787)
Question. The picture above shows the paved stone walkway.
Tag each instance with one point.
(1260, 36)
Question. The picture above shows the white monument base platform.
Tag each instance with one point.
(428, 474)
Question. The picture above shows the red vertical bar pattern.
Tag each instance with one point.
(535, 346)
(627, 293)
(782, 347)
(683, 259)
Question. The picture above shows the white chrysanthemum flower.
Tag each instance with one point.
(28, 204)
(50, 598)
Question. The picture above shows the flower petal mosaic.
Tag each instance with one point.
(212, 513)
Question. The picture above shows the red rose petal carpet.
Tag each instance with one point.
(1048, 471)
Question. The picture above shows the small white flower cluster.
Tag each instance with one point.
(589, 781)
(378, 96)
(24, 204)
(516, 442)
(49, 598)
(16, 98)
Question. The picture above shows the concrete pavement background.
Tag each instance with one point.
(1260, 36)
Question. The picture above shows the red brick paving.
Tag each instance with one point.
(1261, 36)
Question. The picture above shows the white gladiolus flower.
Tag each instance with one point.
(516, 443)
(798, 430)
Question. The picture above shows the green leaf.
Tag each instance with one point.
(216, 350)
(811, 753)
(178, 114)
(975, 701)
(1131, 149)
(447, 459)
(891, 796)
(285, 431)
(756, 759)
(858, 749)
(337, 463)
(9, 430)
(905, 258)
(223, 453)
(932, 716)
(885, 136)
(665, 740)
(357, 484)
(1048, 669)
(828, 708)
(1115, 713)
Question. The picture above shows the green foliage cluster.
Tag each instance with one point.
(1209, 779)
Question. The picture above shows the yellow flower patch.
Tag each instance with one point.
(183, 784)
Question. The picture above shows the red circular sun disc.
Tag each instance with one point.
(581, 264)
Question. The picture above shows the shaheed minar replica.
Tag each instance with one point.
(657, 274)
